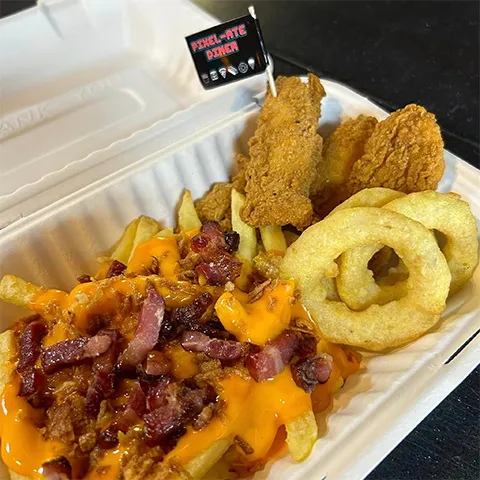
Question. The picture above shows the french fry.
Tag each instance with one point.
(200, 465)
(273, 238)
(302, 433)
(247, 248)
(146, 230)
(187, 215)
(124, 247)
(166, 232)
(18, 291)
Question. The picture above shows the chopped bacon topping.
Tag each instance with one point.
(116, 268)
(178, 406)
(213, 347)
(58, 469)
(232, 239)
(148, 330)
(72, 352)
(103, 385)
(218, 265)
(308, 373)
(33, 381)
(31, 344)
(274, 356)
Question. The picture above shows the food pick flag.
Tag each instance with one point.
(231, 51)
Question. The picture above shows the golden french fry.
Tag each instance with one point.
(273, 238)
(302, 433)
(248, 238)
(187, 215)
(166, 232)
(18, 291)
(200, 465)
(123, 249)
(146, 230)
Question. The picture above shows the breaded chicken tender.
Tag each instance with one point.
(284, 156)
(216, 203)
(341, 150)
(405, 153)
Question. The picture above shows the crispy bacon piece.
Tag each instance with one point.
(156, 393)
(31, 344)
(213, 347)
(116, 268)
(33, 381)
(275, 355)
(183, 318)
(218, 266)
(134, 410)
(232, 239)
(178, 406)
(308, 373)
(222, 270)
(148, 330)
(84, 278)
(58, 469)
(72, 352)
(103, 385)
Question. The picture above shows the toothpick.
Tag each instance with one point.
(269, 70)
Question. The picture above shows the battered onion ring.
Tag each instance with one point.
(312, 257)
(446, 213)
(368, 197)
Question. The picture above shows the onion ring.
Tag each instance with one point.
(446, 213)
(312, 257)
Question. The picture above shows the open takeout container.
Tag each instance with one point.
(104, 119)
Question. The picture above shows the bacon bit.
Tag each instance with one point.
(156, 393)
(180, 405)
(307, 347)
(84, 279)
(104, 383)
(33, 381)
(204, 418)
(103, 386)
(108, 438)
(232, 239)
(72, 352)
(224, 269)
(218, 266)
(213, 347)
(274, 356)
(246, 448)
(147, 334)
(116, 269)
(157, 364)
(257, 292)
(31, 344)
(58, 469)
(308, 373)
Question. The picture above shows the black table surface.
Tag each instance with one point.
(396, 53)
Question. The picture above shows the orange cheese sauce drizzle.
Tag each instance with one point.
(250, 410)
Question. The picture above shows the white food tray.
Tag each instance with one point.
(53, 232)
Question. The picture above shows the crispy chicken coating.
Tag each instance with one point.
(341, 150)
(216, 203)
(284, 156)
(405, 153)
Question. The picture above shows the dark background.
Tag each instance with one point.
(395, 53)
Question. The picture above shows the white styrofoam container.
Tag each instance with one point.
(55, 226)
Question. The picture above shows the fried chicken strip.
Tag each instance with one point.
(284, 156)
(405, 153)
(341, 150)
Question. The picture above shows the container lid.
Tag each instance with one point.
(79, 78)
